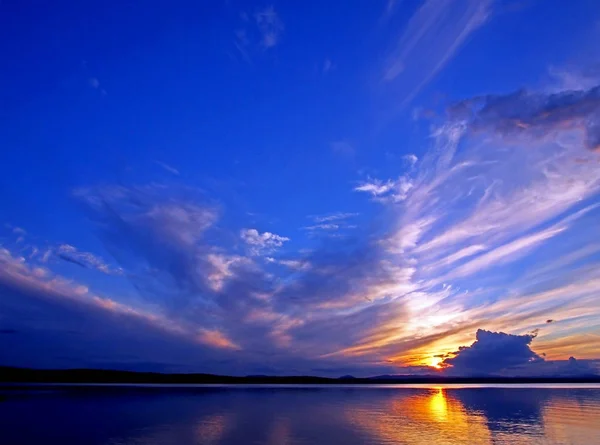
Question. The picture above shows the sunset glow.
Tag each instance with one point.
(225, 192)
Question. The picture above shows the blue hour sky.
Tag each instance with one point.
(301, 187)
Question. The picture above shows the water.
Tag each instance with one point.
(301, 415)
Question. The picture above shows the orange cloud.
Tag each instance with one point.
(216, 339)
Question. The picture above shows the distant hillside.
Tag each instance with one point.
(23, 375)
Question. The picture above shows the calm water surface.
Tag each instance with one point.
(306, 415)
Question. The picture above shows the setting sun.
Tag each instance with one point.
(435, 362)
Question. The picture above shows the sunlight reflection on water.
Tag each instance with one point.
(317, 415)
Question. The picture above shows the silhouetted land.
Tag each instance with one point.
(21, 375)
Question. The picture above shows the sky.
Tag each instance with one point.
(246, 187)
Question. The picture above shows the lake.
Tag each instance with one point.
(447, 414)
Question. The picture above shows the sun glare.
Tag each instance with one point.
(435, 362)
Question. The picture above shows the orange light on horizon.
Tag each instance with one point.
(435, 362)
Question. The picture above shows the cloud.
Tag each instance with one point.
(261, 34)
(242, 44)
(216, 339)
(41, 254)
(331, 222)
(86, 260)
(346, 272)
(478, 213)
(431, 38)
(390, 6)
(576, 79)
(476, 232)
(328, 66)
(223, 268)
(262, 242)
(46, 256)
(64, 324)
(168, 168)
(95, 84)
(501, 254)
(538, 115)
(296, 264)
(555, 368)
(19, 231)
(375, 187)
(270, 27)
(411, 159)
(160, 236)
(397, 292)
(343, 148)
(323, 226)
(492, 352)
(387, 191)
(332, 217)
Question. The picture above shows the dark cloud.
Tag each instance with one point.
(330, 334)
(158, 235)
(491, 353)
(555, 368)
(8, 331)
(345, 271)
(535, 114)
(497, 353)
(177, 255)
(60, 331)
(68, 259)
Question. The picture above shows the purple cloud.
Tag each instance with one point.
(535, 114)
(492, 352)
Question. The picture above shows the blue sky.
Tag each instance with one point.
(244, 187)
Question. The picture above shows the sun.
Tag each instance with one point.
(435, 362)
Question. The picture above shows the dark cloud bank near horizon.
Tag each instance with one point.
(498, 353)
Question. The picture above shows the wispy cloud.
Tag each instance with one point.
(332, 217)
(95, 84)
(431, 38)
(538, 115)
(216, 339)
(390, 6)
(168, 168)
(343, 148)
(86, 260)
(480, 208)
(386, 191)
(270, 26)
(323, 226)
(464, 218)
(411, 159)
(486, 230)
(375, 187)
(258, 33)
(331, 223)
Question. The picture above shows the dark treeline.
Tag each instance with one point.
(23, 375)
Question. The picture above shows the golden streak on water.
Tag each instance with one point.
(424, 419)
(438, 406)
